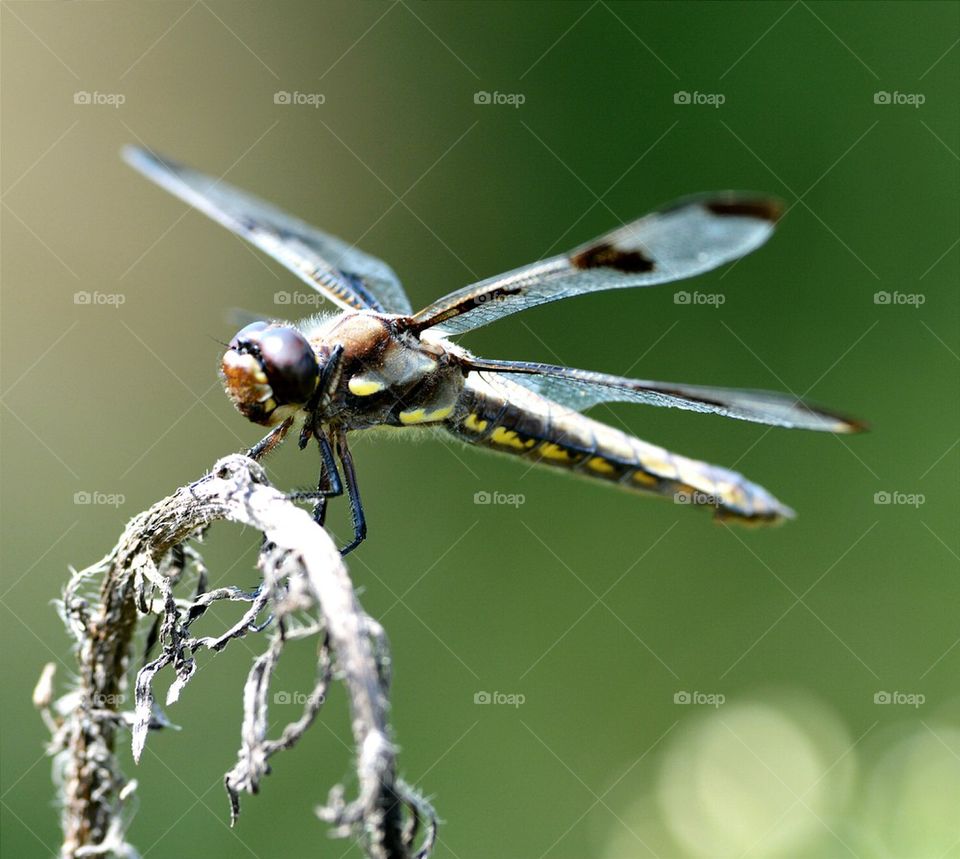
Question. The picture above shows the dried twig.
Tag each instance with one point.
(305, 591)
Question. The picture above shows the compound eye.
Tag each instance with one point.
(288, 360)
(248, 335)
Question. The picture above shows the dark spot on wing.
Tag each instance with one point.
(606, 255)
(466, 303)
(491, 296)
(764, 208)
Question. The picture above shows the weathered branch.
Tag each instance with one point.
(302, 572)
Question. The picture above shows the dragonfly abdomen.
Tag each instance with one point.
(500, 415)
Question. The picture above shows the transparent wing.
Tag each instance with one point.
(346, 276)
(581, 389)
(687, 238)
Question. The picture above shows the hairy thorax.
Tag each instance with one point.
(387, 374)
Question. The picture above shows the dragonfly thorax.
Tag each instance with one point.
(388, 376)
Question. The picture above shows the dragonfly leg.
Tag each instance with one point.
(320, 505)
(270, 440)
(356, 506)
(329, 378)
(328, 486)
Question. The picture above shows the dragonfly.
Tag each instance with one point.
(376, 364)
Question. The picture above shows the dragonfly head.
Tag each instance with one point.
(268, 368)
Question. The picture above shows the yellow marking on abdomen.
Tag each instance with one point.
(475, 424)
(600, 465)
(644, 478)
(511, 439)
(549, 450)
(364, 386)
(422, 416)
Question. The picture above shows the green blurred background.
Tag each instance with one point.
(604, 611)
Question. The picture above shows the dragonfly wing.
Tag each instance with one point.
(581, 389)
(340, 272)
(687, 238)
